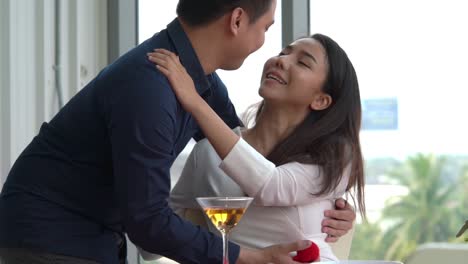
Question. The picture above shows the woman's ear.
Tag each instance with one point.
(237, 17)
(321, 101)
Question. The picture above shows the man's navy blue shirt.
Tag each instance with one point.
(101, 165)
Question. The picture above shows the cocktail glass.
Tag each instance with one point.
(224, 213)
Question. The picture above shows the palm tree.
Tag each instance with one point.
(462, 193)
(367, 242)
(424, 214)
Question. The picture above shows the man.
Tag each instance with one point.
(100, 168)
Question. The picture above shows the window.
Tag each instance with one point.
(154, 16)
(410, 57)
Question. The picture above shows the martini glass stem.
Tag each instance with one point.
(225, 247)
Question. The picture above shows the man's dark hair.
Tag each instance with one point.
(201, 12)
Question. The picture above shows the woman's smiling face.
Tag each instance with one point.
(296, 76)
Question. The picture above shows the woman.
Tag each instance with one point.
(307, 127)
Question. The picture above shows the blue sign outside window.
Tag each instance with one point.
(380, 114)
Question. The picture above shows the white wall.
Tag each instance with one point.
(28, 94)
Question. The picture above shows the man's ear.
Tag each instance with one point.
(238, 15)
(321, 101)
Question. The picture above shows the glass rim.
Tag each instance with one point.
(225, 198)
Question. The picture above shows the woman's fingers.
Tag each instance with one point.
(164, 51)
(180, 81)
(163, 70)
(159, 60)
(169, 65)
(166, 67)
(169, 55)
(167, 60)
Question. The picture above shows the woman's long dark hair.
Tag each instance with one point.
(330, 137)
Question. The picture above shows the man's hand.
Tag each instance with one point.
(276, 254)
(339, 221)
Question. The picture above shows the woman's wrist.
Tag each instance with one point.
(195, 104)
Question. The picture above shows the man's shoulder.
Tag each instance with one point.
(216, 80)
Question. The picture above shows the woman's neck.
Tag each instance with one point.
(272, 127)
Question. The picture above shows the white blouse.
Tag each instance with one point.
(284, 209)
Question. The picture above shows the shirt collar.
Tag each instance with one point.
(187, 56)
